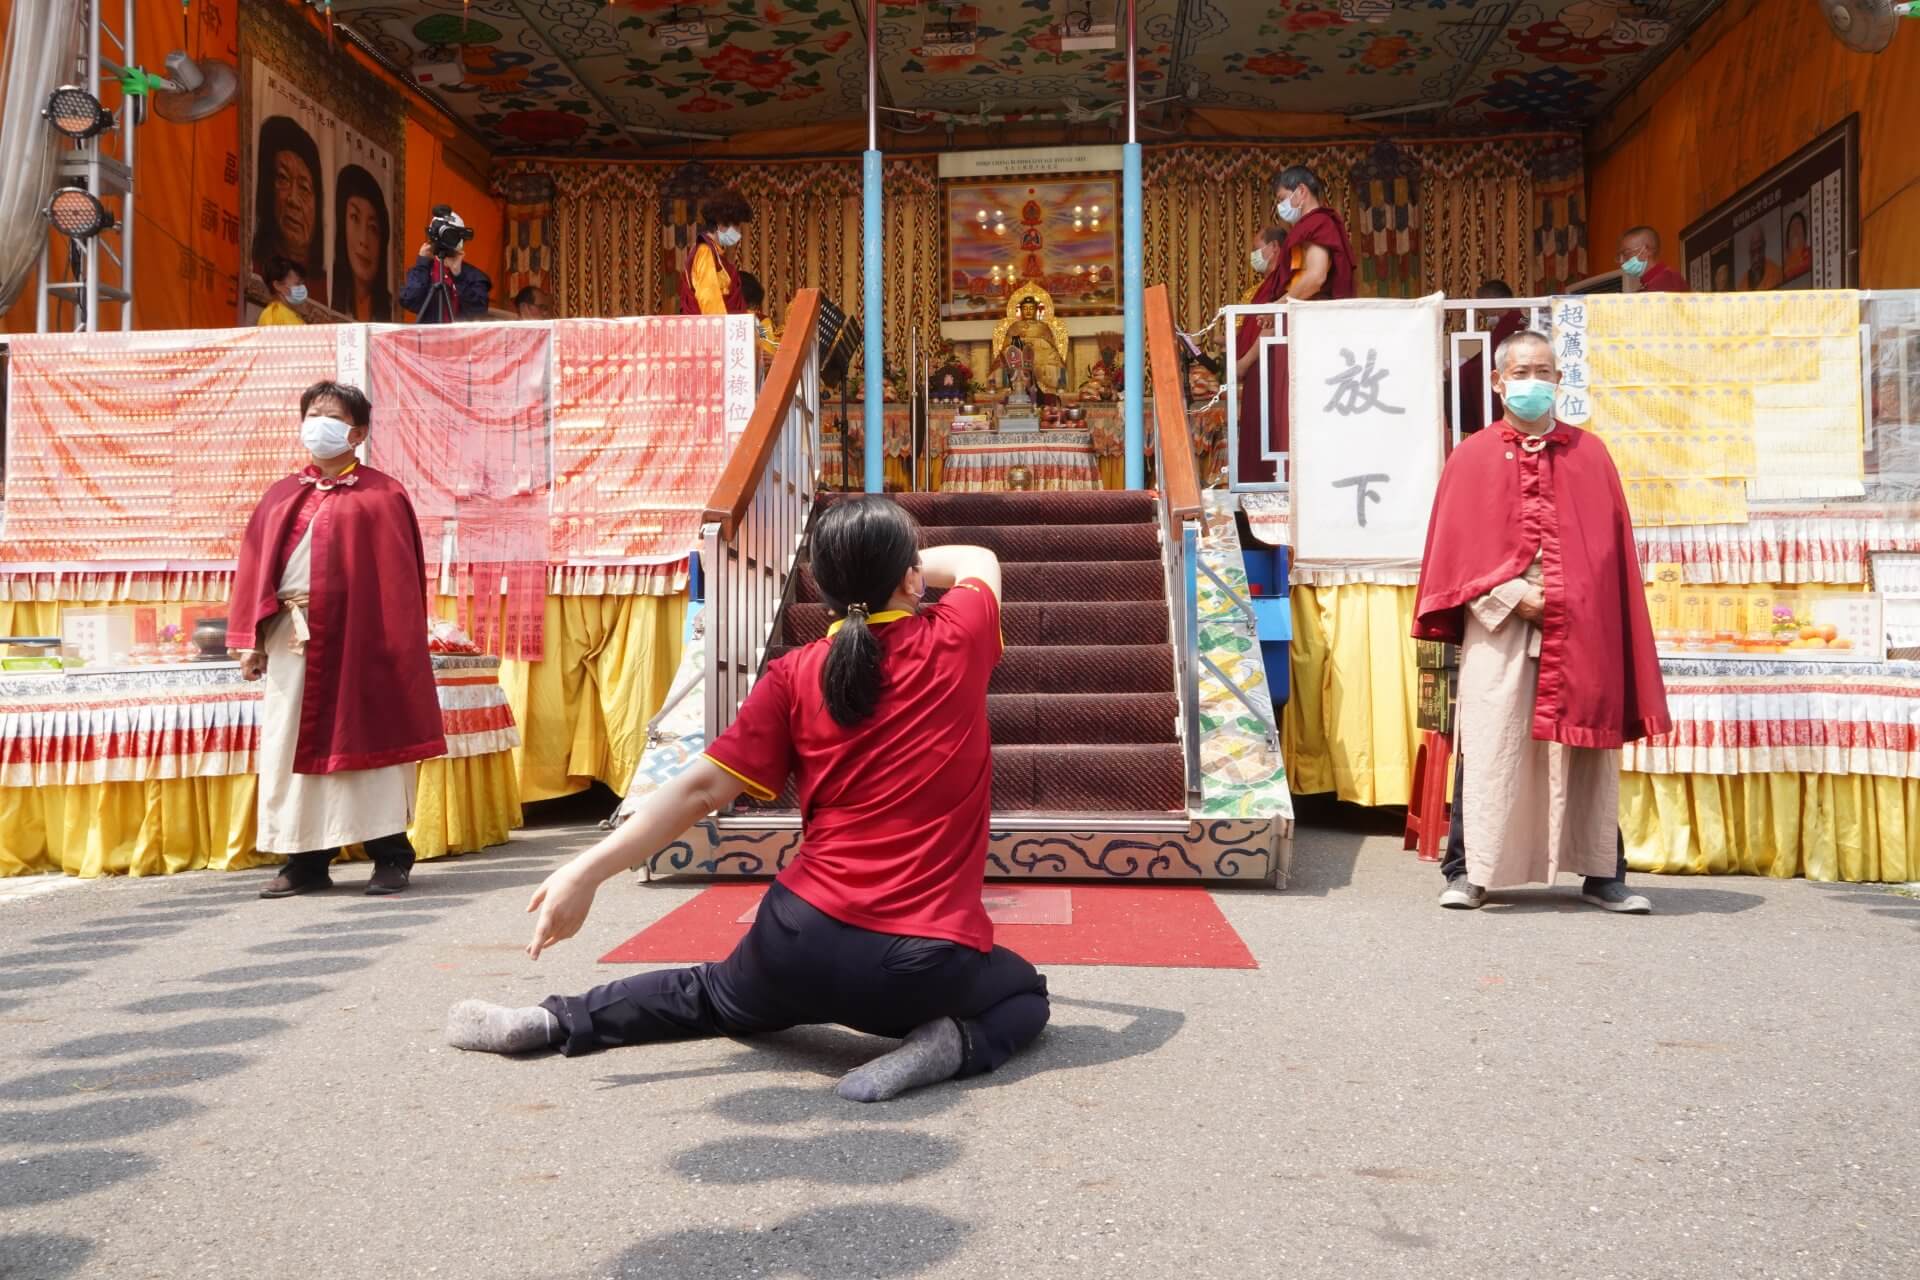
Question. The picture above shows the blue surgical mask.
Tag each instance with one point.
(1287, 210)
(297, 295)
(325, 437)
(1528, 399)
(727, 236)
(1634, 266)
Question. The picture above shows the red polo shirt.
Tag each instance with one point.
(895, 811)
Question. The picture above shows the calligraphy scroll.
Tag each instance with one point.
(1706, 401)
(1365, 410)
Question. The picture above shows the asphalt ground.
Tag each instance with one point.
(194, 1082)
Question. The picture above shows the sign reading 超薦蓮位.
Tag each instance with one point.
(1364, 405)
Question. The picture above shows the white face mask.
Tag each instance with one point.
(727, 236)
(297, 295)
(1288, 211)
(325, 438)
(1259, 261)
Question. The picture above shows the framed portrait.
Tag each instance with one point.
(1797, 227)
(1061, 232)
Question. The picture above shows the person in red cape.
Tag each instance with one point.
(710, 286)
(1468, 377)
(1640, 260)
(329, 609)
(1313, 262)
(1530, 568)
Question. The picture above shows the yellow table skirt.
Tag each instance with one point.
(187, 824)
(1819, 825)
(1350, 723)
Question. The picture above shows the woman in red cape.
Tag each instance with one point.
(329, 611)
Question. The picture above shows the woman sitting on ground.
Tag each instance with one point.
(878, 923)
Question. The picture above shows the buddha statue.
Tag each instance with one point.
(1042, 343)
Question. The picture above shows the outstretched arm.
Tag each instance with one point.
(944, 566)
(566, 896)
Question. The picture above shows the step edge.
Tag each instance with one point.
(1159, 823)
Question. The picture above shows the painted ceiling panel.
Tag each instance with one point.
(567, 75)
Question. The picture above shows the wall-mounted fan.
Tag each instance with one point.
(191, 90)
(1866, 26)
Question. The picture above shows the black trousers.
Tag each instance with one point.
(1455, 863)
(798, 966)
(395, 849)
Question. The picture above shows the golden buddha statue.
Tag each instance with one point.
(1042, 340)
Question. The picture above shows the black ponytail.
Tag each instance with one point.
(861, 549)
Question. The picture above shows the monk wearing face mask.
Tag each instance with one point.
(710, 286)
(329, 611)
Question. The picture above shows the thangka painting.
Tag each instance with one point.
(1796, 227)
(1062, 232)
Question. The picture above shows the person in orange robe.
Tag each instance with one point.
(1313, 263)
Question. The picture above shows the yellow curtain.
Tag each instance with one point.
(1819, 825)
(583, 711)
(1349, 725)
(29, 618)
(191, 824)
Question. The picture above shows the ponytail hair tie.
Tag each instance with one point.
(857, 611)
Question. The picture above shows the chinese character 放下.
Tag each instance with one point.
(1362, 495)
(1357, 389)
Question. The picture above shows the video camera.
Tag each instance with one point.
(447, 233)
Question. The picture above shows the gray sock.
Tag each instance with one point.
(932, 1053)
(494, 1028)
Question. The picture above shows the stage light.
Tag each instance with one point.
(75, 213)
(77, 114)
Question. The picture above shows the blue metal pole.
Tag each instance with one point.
(1134, 323)
(874, 315)
(1133, 269)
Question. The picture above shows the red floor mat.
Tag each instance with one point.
(1164, 926)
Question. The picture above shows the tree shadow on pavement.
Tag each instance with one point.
(791, 1104)
(212, 1033)
(1067, 1046)
(62, 1175)
(174, 1072)
(843, 1158)
(877, 1240)
(44, 1257)
(102, 1121)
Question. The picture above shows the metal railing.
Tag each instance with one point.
(1180, 515)
(756, 520)
(1472, 340)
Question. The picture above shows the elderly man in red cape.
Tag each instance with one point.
(1313, 262)
(330, 609)
(1530, 568)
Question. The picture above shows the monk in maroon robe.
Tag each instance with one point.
(1530, 568)
(329, 610)
(1640, 259)
(1473, 413)
(1314, 262)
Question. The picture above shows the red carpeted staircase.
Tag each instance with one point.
(1083, 706)
(1089, 772)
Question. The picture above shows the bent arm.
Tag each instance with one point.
(1312, 275)
(1494, 608)
(944, 566)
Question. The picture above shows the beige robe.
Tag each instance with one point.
(1532, 809)
(309, 812)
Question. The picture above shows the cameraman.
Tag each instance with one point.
(440, 288)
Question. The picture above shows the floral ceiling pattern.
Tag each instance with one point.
(589, 76)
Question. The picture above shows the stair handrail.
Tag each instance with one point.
(1180, 512)
(756, 519)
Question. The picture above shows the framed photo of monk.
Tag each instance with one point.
(1797, 227)
(1061, 232)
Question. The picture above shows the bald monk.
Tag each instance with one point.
(1640, 262)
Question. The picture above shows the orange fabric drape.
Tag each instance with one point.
(1774, 81)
